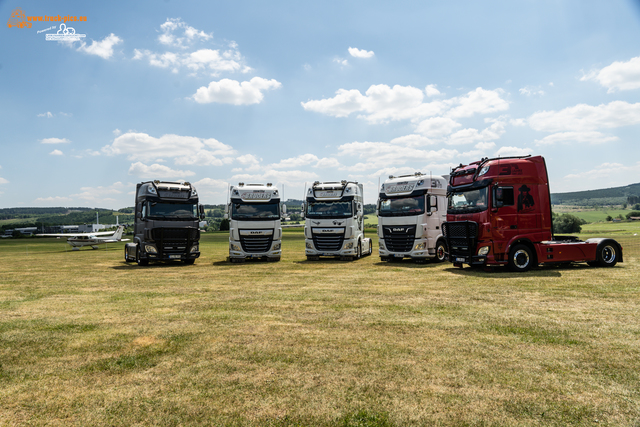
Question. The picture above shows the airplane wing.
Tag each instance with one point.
(101, 233)
(114, 241)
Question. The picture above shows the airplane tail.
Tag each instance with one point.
(118, 234)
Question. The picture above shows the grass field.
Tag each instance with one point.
(86, 339)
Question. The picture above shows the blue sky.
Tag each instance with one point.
(291, 92)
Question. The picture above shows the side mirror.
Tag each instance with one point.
(201, 210)
(225, 216)
(302, 210)
(139, 215)
(498, 197)
(284, 209)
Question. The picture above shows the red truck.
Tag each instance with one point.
(499, 213)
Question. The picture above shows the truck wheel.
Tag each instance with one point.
(520, 258)
(607, 254)
(359, 251)
(126, 255)
(141, 262)
(441, 251)
(370, 247)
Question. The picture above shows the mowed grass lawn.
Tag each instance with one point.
(86, 339)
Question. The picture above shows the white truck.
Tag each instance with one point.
(255, 230)
(334, 221)
(411, 210)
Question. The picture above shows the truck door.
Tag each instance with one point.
(528, 209)
(504, 217)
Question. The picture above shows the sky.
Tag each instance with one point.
(291, 92)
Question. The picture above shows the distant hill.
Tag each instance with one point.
(606, 196)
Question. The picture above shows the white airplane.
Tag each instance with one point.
(79, 240)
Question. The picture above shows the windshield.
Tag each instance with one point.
(402, 206)
(255, 211)
(173, 210)
(329, 210)
(468, 201)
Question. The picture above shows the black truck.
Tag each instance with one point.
(167, 215)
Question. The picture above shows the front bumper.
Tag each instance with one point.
(422, 253)
(236, 251)
(349, 248)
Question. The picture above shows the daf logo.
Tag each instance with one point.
(327, 231)
(398, 230)
(256, 232)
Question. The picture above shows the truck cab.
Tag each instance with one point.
(411, 210)
(167, 215)
(499, 213)
(334, 221)
(255, 230)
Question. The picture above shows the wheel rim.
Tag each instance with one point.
(608, 254)
(440, 252)
(521, 258)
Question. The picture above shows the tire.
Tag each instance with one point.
(520, 258)
(441, 251)
(126, 255)
(370, 247)
(358, 251)
(141, 262)
(607, 254)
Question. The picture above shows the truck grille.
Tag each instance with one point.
(256, 244)
(461, 237)
(399, 238)
(175, 240)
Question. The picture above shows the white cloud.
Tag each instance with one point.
(54, 141)
(378, 155)
(177, 33)
(584, 117)
(56, 153)
(210, 187)
(341, 61)
(103, 49)
(228, 91)
(48, 115)
(358, 53)
(53, 199)
(437, 127)
(382, 103)
(512, 151)
(328, 162)
(185, 150)
(248, 159)
(3, 181)
(478, 101)
(156, 171)
(413, 141)
(528, 91)
(100, 194)
(603, 175)
(294, 162)
(618, 76)
(589, 137)
(117, 132)
(431, 90)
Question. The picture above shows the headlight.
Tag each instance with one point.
(150, 249)
(420, 246)
(483, 250)
(194, 248)
(276, 247)
(348, 245)
(309, 245)
(235, 247)
(381, 244)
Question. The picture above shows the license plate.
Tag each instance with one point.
(459, 259)
(256, 256)
(398, 256)
(174, 256)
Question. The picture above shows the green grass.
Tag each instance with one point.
(87, 339)
(589, 214)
